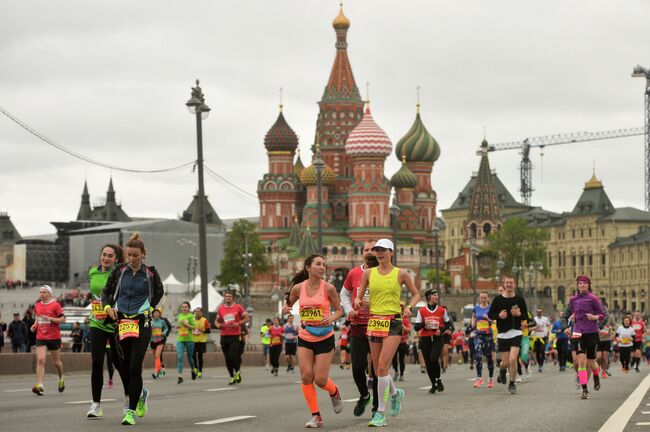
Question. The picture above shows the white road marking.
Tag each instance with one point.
(224, 420)
(16, 390)
(147, 381)
(350, 400)
(619, 419)
(424, 388)
(220, 389)
(89, 401)
(645, 412)
(643, 424)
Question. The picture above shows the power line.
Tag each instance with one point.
(79, 155)
(245, 192)
(235, 190)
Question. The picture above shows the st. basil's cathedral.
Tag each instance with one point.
(355, 192)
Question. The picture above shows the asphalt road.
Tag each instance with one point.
(547, 402)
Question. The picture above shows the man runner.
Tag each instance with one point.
(230, 316)
(539, 335)
(639, 331)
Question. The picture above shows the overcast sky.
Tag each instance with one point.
(110, 80)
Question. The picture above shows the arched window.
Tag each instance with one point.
(344, 250)
(335, 250)
(473, 229)
(487, 228)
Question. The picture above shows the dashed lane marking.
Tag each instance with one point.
(350, 400)
(225, 420)
(15, 390)
(89, 401)
(219, 389)
(621, 416)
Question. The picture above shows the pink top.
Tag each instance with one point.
(320, 303)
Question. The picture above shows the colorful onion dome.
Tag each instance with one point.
(298, 167)
(281, 137)
(308, 176)
(368, 139)
(404, 178)
(341, 21)
(418, 145)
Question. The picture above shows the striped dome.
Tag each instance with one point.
(308, 176)
(368, 139)
(404, 178)
(418, 145)
(281, 137)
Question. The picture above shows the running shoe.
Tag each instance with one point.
(609, 374)
(276, 372)
(478, 383)
(199, 374)
(585, 394)
(423, 370)
(38, 389)
(401, 378)
(337, 402)
(395, 376)
(577, 382)
(154, 376)
(439, 386)
(61, 386)
(142, 408)
(238, 377)
(512, 388)
(95, 411)
(637, 369)
(110, 384)
(490, 383)
(596, 382)
(396, 402)
(232, 381)
(162, 372)
(432, 390)
(194, 371)
(180, 380)
(129, 418)
(378, 420)
(501, 378)
(315, 422)
(361, 405)
(341, 366)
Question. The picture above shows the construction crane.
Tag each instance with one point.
(526, 166)
(641, 72)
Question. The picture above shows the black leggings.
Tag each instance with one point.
(129, 355)
(402, 350)
(359, 350)
(98, 340)
(625, 353)
(274, 354)
(230, 347)
(199, 349)
(561, 346)
(109, 365)
(431, 347)
(540, 351)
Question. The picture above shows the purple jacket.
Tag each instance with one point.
(579, 306)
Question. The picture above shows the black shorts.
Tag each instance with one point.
(605, 345)
(586, 344)
(636, 345)
(52, 345)
(504, 345)
(290, 348)
(395, 329)
(321, 347)
(155, 345)
(344, 348)
(200, 347)
(446, 339)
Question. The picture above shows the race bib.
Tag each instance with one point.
(604, 332)
(97, 310)
(289, 336)
(378, 326)
(576, 335)
(42, 320)
(366, 295)
(229, 318)
(344, 336)
(183, 331)
(311, 315)
(156, 332)
(636, 326)
(276, 340)
(431, 323)
(483, 326)
(626, 340)
(196, 332)
(128, 328)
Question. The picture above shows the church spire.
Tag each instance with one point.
(484, 211)
(85, 212)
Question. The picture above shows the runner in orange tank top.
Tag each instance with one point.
(316, 336)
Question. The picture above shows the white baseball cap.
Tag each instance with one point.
(47, 287)
(384, 243)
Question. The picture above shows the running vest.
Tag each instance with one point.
(433, 320)
(385, 291)
(483, 326)
(312, 310)
(198, 334)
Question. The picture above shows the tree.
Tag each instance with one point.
(243, 233)
(445, 280)
(518, 244)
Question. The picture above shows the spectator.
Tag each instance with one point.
(86, 335)
(77, 337)
(3, 329)
(31, 336)
(18, 334)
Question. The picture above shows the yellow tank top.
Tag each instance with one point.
(385, 291)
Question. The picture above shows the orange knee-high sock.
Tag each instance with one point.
(309, 391)
(330, 387)
(157, 365)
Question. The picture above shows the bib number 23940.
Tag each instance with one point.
(378, 326)
(128, 328)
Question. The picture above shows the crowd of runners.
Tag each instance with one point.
(379, 331)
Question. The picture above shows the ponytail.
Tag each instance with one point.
(303, 274)
(135, 242)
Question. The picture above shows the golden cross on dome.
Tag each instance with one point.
(367, 93)
(281, 99)
(417, 105)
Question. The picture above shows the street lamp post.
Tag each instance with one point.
(394, 212)
(196, 105)
(436, 235)
(500, 266)
(319, 165)
(474, 251)
(515, 272)
(246, 257)
(531, 288)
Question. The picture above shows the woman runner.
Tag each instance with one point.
(132, 290)
(275, 349)
(200, 340)
(290, 342)
(385, 323)
(432, 321)
(316, 337)
(625, 334)
(158, 331)
(484, 340)
(344, 349)
(184, 340)
(101, 333)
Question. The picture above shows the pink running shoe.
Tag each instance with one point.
(478, 383)
(110, 384)
(490, 383)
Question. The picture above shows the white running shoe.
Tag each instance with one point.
(315, 422)
(337, 402)
(95, 411)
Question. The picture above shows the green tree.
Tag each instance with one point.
(445, 280)
(518, 243)
(243, 233)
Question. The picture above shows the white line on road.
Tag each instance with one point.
(619, 419)
(350, 400)
(89, 401)
(220, 376)
(645, 412)
(224, 420)
(220, 389)
(16, 390)
(424, 388)
(643, 424)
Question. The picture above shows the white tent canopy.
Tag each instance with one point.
(214, 300)
(173, 285)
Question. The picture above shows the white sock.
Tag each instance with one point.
(382, 383)
(392, 388)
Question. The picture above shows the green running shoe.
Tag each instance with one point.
(378, 420)
(396, 402)
(61, 386)
(238, 376)
(129, 418)
(141, 408)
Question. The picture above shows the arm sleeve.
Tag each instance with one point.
(158, 289)
(346, 300)
(109, 288)
(493, 313)
(566, 313)
(417, 322)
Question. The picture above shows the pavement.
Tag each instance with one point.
(546, 402)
